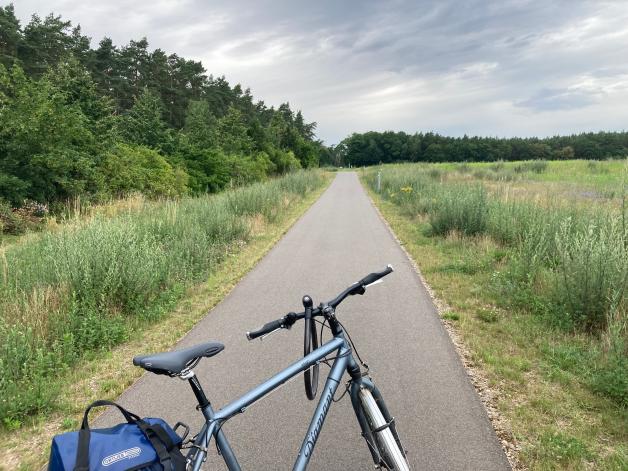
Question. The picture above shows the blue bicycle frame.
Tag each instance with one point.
(214, 419)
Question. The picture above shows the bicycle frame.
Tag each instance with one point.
(214, 419)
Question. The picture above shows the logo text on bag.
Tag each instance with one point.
(122, 455)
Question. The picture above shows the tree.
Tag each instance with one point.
(45, 140)
(105, 70)
(133, 68)
(231, 133)
(76, 83)
(44, 44)
(306, 130)
(566, 153)
(200, 125)
(10, 35)
(143, 124)
(65, 108)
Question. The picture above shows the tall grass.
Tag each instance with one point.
(83, 287)
(568, 264)
(460, 208)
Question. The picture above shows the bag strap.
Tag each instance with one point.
(82, 450)
(129, 416)
(166, 449)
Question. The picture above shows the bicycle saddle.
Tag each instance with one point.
(173, 363)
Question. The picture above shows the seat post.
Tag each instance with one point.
(203, 402)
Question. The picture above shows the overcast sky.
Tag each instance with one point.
(498, 68)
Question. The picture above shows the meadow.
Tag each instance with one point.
(532, 260)
(94, 282)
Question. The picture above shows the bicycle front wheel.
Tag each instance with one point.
(390, 452)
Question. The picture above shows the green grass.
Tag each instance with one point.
(538, 295)
(589, 173)
(85, 287)
(105, 374)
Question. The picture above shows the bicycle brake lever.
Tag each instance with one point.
(381, 280)
(270, 333)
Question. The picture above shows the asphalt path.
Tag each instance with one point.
(395, 326)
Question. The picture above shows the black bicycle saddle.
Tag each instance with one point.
(173, 363)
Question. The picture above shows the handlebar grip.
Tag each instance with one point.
(266, 329)
(373, 277)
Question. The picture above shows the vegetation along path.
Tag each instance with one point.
(396, 329)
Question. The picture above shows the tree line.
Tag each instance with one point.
(106, 121)
(372, 148)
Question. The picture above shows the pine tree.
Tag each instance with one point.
(232, 133)
(143, 124)
(10, 35)
(200, 125)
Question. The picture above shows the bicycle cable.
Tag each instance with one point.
(362, 362)
(326, 360)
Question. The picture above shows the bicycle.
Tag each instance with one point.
(376, 423)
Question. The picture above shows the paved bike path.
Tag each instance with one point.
(395, 327)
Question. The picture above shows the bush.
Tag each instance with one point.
(10, 221)
(284, 161)
(536, 166)
(592, 272)
(460, 208)
(128, 168)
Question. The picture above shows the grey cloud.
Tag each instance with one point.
(554, 99)
(492, 67)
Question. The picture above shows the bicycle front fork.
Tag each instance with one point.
(358, 382)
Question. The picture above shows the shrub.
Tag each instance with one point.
(128, 168)
(592, 272)
(536, 166)
(10, 221)
(284, 161)
(460, 208)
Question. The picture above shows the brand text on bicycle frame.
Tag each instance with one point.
(313, 436)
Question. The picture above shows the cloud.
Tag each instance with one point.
(555, 99)
(490, 67)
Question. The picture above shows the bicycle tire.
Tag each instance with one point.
(392, 456)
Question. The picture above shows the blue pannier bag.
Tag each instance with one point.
(139, 444)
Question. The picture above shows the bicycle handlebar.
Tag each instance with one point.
(373, 277)
(360, 286)
(266, 329)
(289, 319)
